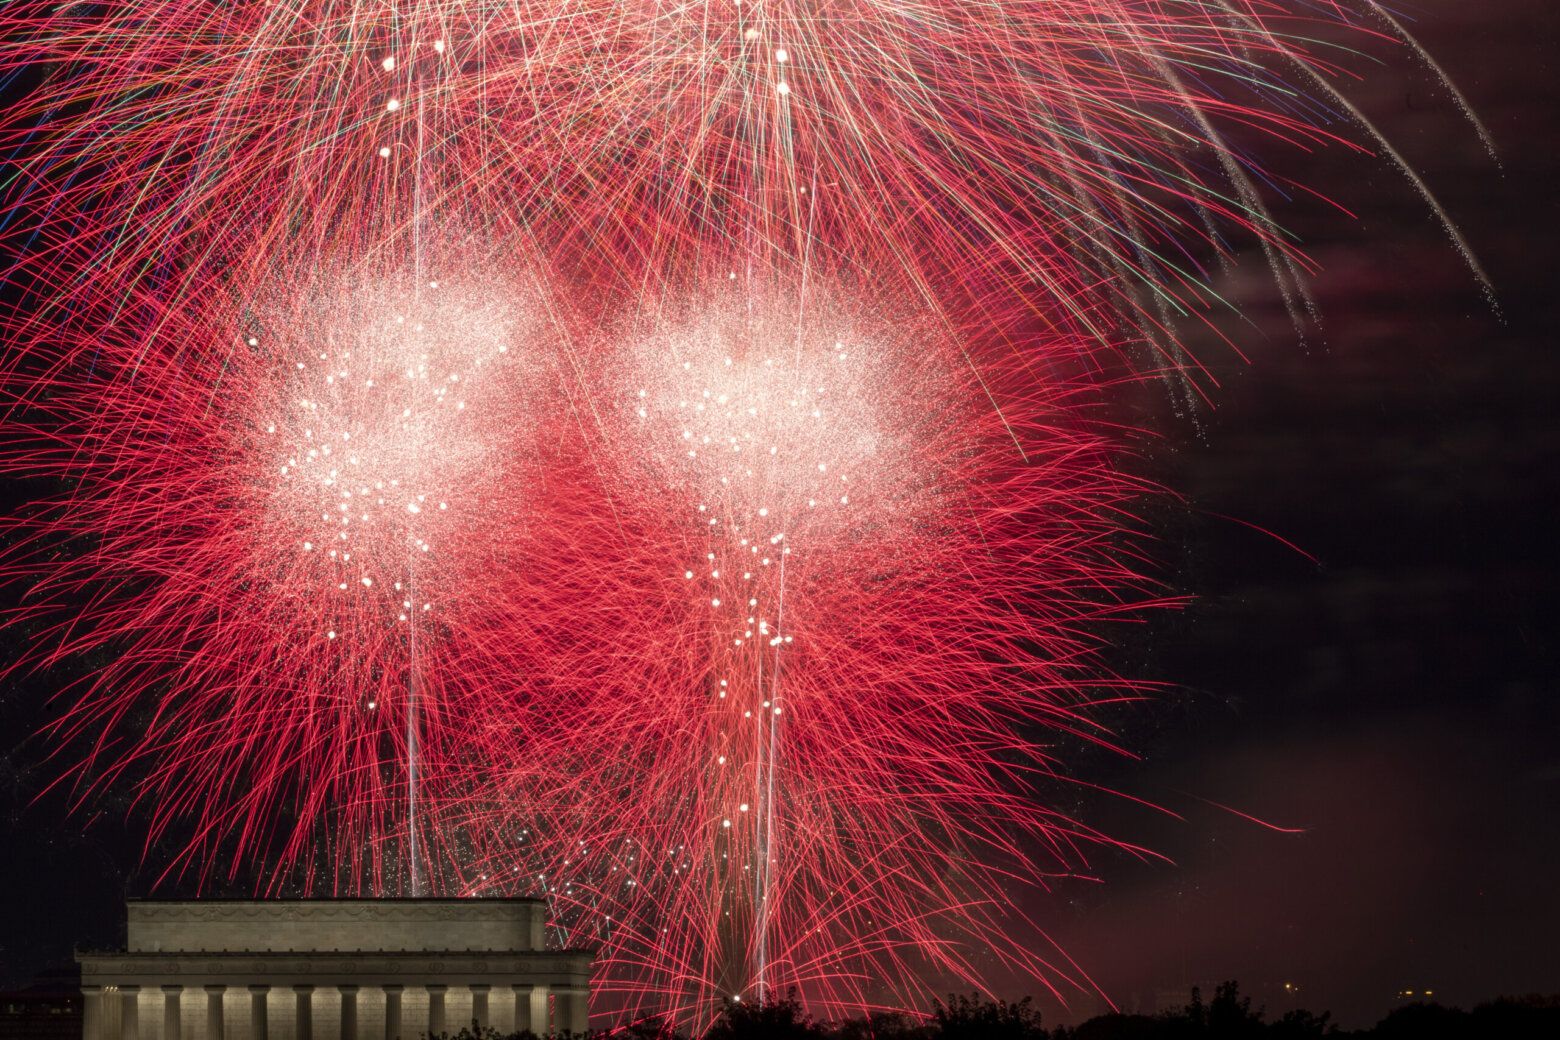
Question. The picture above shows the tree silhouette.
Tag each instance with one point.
(1228, 1016)
(976, 1018)
(783, 1019)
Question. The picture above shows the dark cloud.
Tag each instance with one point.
(1397, 699)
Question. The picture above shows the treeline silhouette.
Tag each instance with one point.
(1227, 1016)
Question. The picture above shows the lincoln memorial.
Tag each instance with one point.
(332, 969)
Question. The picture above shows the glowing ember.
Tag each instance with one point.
(400, 421)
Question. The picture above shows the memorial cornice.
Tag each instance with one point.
(330, 910)
(344, 964)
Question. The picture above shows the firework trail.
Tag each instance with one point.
(1089, 157)
(675, 435)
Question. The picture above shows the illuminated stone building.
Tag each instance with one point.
(331, 969)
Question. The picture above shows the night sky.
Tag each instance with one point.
(1396, 700)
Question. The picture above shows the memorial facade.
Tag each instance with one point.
(332, 969)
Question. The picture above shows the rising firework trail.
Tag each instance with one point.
(656, 457)
(762, 427)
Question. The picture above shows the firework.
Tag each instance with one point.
(744, 603)
(833, 648)
(297, 498)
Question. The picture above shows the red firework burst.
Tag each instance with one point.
(838, 632)
(284, 512)
(738, 605)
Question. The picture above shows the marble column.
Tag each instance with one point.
(129, 1013)
(436, 993)
(349, 1026)
(171, 1024)
(393, 1012)
(258, 996)
(539, 1011)
(92, 1013)
(479, 1004)
(214, 995)
(523, 1019)
(573, 1012)
(303, 1013)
